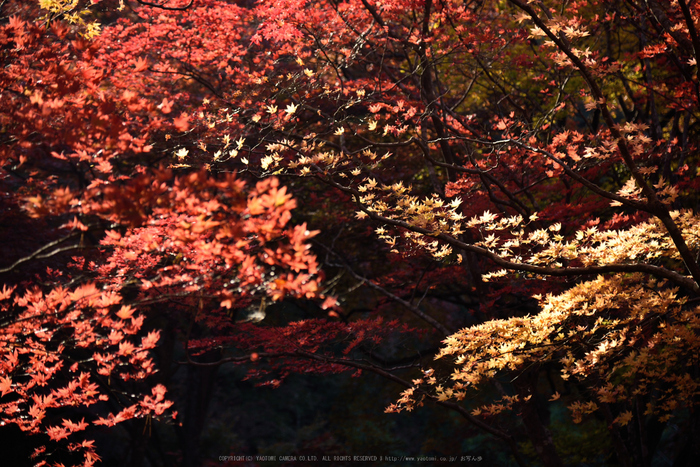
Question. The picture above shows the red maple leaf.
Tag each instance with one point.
(182, 123)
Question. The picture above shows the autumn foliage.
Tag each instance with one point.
(512, 185)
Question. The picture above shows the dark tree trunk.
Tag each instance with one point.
(200, 381)
(537, 431)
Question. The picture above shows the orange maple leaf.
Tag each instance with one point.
(150, 340)
(5, 385)
(182, 123)
(125, 312)
(166, 107)
(141, 64)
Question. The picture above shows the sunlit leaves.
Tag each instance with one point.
(590, 332)
(41, 379)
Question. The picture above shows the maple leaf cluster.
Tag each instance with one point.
(78, 165)
(60, 349)
(517, 178)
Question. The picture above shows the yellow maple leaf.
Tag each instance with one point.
(624, 418)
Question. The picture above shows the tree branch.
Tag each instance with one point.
(39, 254)
(412, 308)
(163, 7)
(656, 206)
